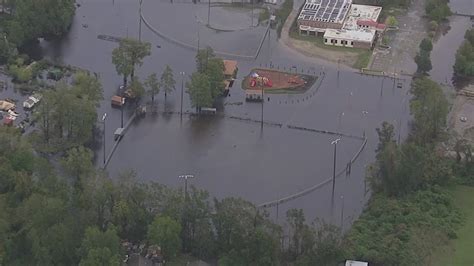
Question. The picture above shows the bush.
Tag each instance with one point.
(403, 231)
(391, 21)
(426, 45)
(433, 25)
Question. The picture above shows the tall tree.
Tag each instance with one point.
(39, 19)
(167, 80)
(429, 108)
(88, 86)
(202, 58)
(122, 61)
(100, 248)
(153, 86)
(165, 232)
(136, 51)
(215, 72)
(137, 89)
(423, 61)
(199, 90)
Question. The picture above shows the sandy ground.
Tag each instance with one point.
(463, 107)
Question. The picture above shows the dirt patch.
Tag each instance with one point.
(462, 116)
(310, 49)
(278, 81)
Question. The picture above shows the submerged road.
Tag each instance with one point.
(227, 156)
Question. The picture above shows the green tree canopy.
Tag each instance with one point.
(165, 232)
(426, 45)
(100, 248)
(199, 90)
(167, 80)
(423, 61)
(392, 21)
(39, 19)
(153, 86)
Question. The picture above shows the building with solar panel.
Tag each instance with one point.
(340, 22)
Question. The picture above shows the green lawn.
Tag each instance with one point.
(460, 251)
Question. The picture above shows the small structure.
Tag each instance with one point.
(32, 101)
(6, 105)
(254, 95)
(28, 104)
(118, 134)
(8, 121)
(230, 69)
(117, 101)
(356, 263)
(208, 111)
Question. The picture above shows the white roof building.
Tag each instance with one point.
(350, 35)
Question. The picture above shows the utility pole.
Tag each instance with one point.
(342, 215)
(185, 177)
(140, 22)
(364, 116)
(261, 124)
(104, 117)
(252, 12)
(182, 86)
(334, 167)
(209, 13)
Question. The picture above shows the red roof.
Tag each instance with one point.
(371, 23)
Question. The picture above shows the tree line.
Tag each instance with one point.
(464, 65)
(411, 213)
(25, 21)
(71, 213)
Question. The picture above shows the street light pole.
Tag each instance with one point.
(140, 23)
(342, 214)
(364, 115)
(261, 120)
(334, 167)
(121, 112)
(182, 85)
(103, 121)
(208, 13)
(185, 177)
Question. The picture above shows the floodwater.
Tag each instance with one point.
(230, 157)
(443, 55)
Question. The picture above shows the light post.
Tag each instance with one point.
(208, 13)
(184, 219)
(261, 119)
(342, 214)
(104, 117)
(182, 85)
(140, 22)
(339, 124)
(186, 177)
(197, 23)
(334, 167)
(121, 112)
(364, 116)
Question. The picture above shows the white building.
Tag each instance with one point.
(355, 27)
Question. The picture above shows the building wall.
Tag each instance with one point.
(347, 43)
(320, 24)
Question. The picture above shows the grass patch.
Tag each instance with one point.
(362, 60)
(282, 14)
(460, 250)
(264, 15)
